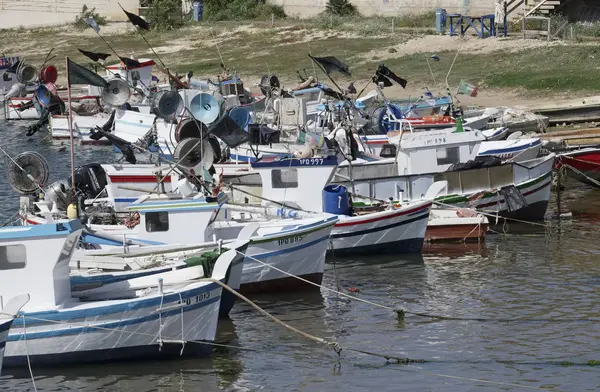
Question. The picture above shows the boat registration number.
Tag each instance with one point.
(311, 161)
(290, 240)
(198, 298)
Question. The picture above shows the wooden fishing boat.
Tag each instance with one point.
(584, 164)
(142, 318)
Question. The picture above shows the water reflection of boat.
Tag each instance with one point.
(454, 250)
(124, 376)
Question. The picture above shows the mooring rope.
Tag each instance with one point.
(497, 217)
(11, 220)
(595, 182)
(400, 313)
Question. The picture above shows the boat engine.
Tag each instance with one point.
(90, 180)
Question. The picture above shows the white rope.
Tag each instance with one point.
(318, 285)
(27, 355)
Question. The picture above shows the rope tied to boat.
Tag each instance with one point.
(401, 313)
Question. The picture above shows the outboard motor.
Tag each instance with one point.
(90, 180)
(59, 193)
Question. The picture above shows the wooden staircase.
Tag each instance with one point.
(535, 10)
(531, 7)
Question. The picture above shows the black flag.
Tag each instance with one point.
(130, 63)
(384, 74)
(229, 131)
(80, 75)
(331, 64)
(137, 21)
(93, 55)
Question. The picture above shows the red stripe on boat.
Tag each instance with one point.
(423, 207)
(121, 179)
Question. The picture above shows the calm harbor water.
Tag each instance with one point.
(509, 287)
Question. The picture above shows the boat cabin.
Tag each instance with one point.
(296, 182)
(35, 260)
(434, 151)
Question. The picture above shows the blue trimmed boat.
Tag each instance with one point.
(171, 314)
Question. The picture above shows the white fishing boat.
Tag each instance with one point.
(295, 246)
(303, 184)
(59, 127)
(164, 315)
(8, 312)
(95, 268)
(510, 189)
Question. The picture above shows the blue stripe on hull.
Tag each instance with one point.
(71, 330)
(67, 315)
(150, 352)
(289, 250)
(413, 245)
(380, 228)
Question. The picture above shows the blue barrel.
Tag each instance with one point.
(336, 200)
(440, 20)
(197, 10)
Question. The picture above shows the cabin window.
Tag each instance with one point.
(6, 77)
(157, 221)
(284, 178)
(12, 257)
(447, 156)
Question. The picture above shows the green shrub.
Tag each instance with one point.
(241, 9)
(80, 23)
(164, 15)
(341, 8)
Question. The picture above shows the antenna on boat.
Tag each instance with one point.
(310, 53)
(436, 58)
(221, 57)
(448, 75)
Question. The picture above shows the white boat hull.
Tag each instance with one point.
(300, 252)
(59, 128)
(392, 231)
(115, 331)
(4, 328)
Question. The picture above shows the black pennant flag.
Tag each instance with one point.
(384, 74)
(130, 63)
(137, 21)
(93, 55)
(331, 64)
(80, 75)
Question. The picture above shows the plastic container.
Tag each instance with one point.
(440, 21)
(336, 200)
(197, 11)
